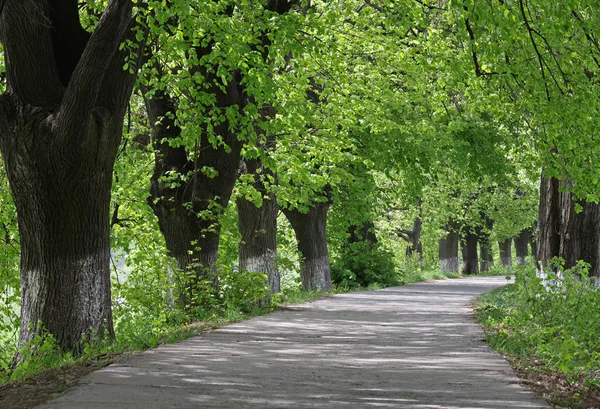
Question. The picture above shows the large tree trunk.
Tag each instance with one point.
(448, 250)
(562, 232)
(522, 247)
(61, 122)
(189, 208)
(505, 248)
(310, 230)
(258, 228)
(469, 254)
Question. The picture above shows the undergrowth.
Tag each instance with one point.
(138, 333)
(550, 325)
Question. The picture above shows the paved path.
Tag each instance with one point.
(404, 347)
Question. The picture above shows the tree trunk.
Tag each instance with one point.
(310, 230)
(490, 257)
(364, 233)
(448, 250)
(61, 121)
(187, 201)
(469, 254)
(484, 257)
(484, 248)
(532, 245)
(505, 248)
(562, 232)
(414, 235)
(258, 228)
(522, 247)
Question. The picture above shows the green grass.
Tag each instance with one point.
(549, 333)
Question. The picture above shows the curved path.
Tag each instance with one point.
(415, 346)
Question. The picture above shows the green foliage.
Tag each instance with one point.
(363, 264)
(555, 321)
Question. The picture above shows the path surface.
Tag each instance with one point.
(415, 346)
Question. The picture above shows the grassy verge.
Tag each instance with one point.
(550, 333)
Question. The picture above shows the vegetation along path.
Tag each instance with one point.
(415, 346)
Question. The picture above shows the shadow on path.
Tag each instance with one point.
(415, 346)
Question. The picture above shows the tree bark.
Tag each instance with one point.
(486, 260)
(414, 235)
(505, 248)
(562, 232)
(522, 247)
(469, 254)
(188, 207)
(310, 229)
(61, 121)
(258, 228)
(448, 250)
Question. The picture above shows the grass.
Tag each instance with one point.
(550, 335)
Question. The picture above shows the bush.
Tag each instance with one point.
(555, 320)
(363, 264)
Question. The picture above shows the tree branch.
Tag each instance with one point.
(478, 71)
(535, 47)
(31, 72)
(86, 82)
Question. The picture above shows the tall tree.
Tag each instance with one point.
(61, 121)
(199, 133)
(310, 227)
(257, 223)
(448, 249)
(567, 228)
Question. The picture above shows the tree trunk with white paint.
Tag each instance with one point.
(310, 229)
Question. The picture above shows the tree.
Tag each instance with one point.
(257, 222)
(201, 129)
(61, 121)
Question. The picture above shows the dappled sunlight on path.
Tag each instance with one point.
(404, 347)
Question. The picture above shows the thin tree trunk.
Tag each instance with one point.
(532, 245)
(414, 235)
(258, 228)
(505, 248)
(60, 127)
(522, 247)
(448, 250)
(469, 254)
(310, 230)
(490, 257)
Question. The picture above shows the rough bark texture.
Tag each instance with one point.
(470, 259)
(258, 228)
(192, 239)
(448, 250)
(562, 232)
(522, 247)
(505, 248)
(310, 230)
(61, 121)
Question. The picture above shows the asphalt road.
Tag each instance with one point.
(415, 346)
